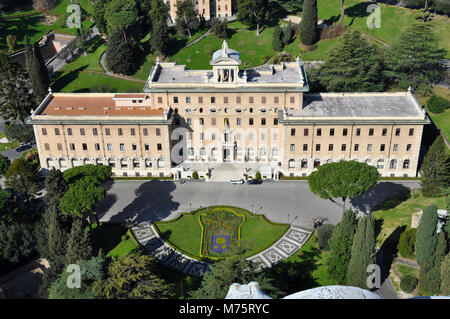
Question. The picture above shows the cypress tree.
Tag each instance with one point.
(426, 237)
(287, 34)
(340, 247)
(445, 276)
(120, 55)
(160, 37)
(57, 238)
(277, 45)
(309, 33)
(430, 273)
(79, 246)
(363, 253)
(435, 169)
(37, 71)
(55, 185)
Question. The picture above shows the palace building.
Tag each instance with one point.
(258, 119)
(206, 8)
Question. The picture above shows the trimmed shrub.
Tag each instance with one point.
(324, 233)
(437, 104)
(406, 243)
(195, 175)
(258, 175)
(408, 283)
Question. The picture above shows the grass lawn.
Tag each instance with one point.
(8, 146)
(189, 241)
(108, 237)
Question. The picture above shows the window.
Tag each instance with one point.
(384, 132)
(95, 131)
(358, 132)
(213, 136)
(159, 99)
(317, 147)
(202, 136)
(238, 99)
(69, 131)
(200, 99)
(213, 99)
(305, 147)
(82, 132)
(122, 147)
(369, 147)
(393, 164)
(109, 147)
(225, 99)
(107, 131)
(189, 121)
(191, 151)
(147, 147)
(47, 147)
(380, 164)
(202, 121)
(319, 132)
(291, 163)
(188, 99)
(158, 132)
(292, 148)
(292, 131)
(159, 147)
(274, 151)
(120, 131)
(238, 121)
(145, 132)
(250, 136)
(343, 147)
(263, 99)
(275, 136)
(84, 145)
(316, 163)
(72, 146)
(411, 132)
(251, 110)
(395, 149)
(292, 99)
(356, 147)
(406, 164)
(175, 99)
(213, 121)
(263, 136)
(371, 132)
(97, 146)
(59, 146)
(275, 121)
(250, 99)
(304, 164)
(408, 147)
(250, 121)
(397, 132)
(134, 147)
(344, 132)
(330, 147)
(305, 132)
(382, 147)
(56, 131)
(263, 121)
(44, 131)
(275, 99)
(202, 152)
(331, 131)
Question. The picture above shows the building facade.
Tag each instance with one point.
(260, 119)
(207, 8)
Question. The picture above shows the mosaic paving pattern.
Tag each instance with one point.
(287, 245)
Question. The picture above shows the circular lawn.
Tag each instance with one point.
(212, 232)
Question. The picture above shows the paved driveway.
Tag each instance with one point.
(139, 201)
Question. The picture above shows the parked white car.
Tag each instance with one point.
(237, 181)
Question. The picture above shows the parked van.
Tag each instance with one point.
(237, 181)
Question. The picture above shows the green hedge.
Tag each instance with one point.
(140, 178)
(408, 283)
(437, 104)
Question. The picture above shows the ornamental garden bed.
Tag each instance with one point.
(212, 233)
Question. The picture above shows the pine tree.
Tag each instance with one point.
(309, 33)
(415, 59)
(277, 45)
(353, 66)
(340, 247)
(55, 186)
(253, 12)
(37, 71)
(445, 276)
(79, 246)
(120, 55)
(187, 21)
(435, 169)
(363, 252)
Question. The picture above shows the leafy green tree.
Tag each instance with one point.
(435, 169)
(408, 283)
(220, 28)
(120, 55)
(345, 179)
(363, 252)
(121, 16)
(159, 40)
(6, 201)
(133, 276)
(309, 32)
(324, 234)
(55, 186)
(37, 71)
(91, 271)
(16, 241)
(277, 45)
(291, 6)
(159, 12)
(253, 13)
(415, 59)
(353, 66)
(445, 276)
(406, 243)
(340, 247)
(79, 246)
(81, 197)
(22, 177)
(224, 273)
(20, 132)
(4, 164)
(100, 172)
(99, 14)
(15, 92)
(186, 21)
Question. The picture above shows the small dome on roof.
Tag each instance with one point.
(226, 52)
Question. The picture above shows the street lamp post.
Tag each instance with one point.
(190, 208)
(288, 218)
(252, 209)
